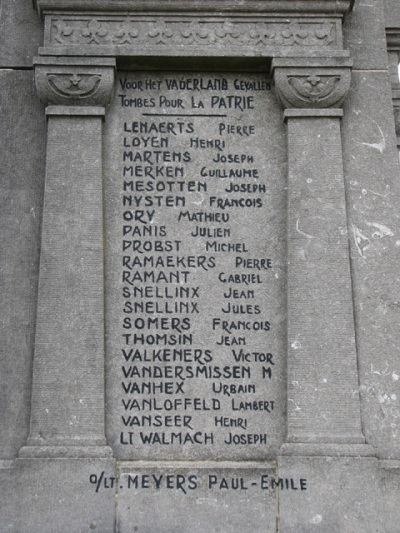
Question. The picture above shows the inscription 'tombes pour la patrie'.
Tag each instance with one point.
(195, 222)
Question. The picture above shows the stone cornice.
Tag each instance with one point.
(300, 7)
(193, 28)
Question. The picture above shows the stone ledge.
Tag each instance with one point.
(334, 7)
(64, 452)
(198, 464)
(327, 450)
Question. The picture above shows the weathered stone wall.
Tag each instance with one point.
(392, 13)
(315, 120)
(372, 172)
(23, 137)
(21, 33)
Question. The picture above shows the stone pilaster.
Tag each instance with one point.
(67, 407)
(323, 396)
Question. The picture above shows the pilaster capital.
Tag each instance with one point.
(311, 83)
(393, 39)
(74, 81)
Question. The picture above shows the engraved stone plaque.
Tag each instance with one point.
(200, 298)
(195, 267)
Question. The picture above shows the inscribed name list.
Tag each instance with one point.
(195, 203)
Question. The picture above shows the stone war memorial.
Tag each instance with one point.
(200, 266)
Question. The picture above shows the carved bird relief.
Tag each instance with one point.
(313, 88)
(73, 85)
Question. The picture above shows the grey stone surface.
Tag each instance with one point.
(22, 181)
(322, 366)
(21, 32)
(389, 482)
(343, 496)
(58, 495)
(186, 460)
(321, 363)
(392, 13)
(364, 35)
(68, 407)
(229, 305)
(372, 188)
(178, 498)
(67, 404)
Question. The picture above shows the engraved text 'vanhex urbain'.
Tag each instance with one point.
(198, 357)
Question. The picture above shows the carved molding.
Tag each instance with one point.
(164, 32)
(393, 39)
(74, 82)
(396, 109)
(301, 7)
(312, 87)
(393, 46)
(397, 121)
